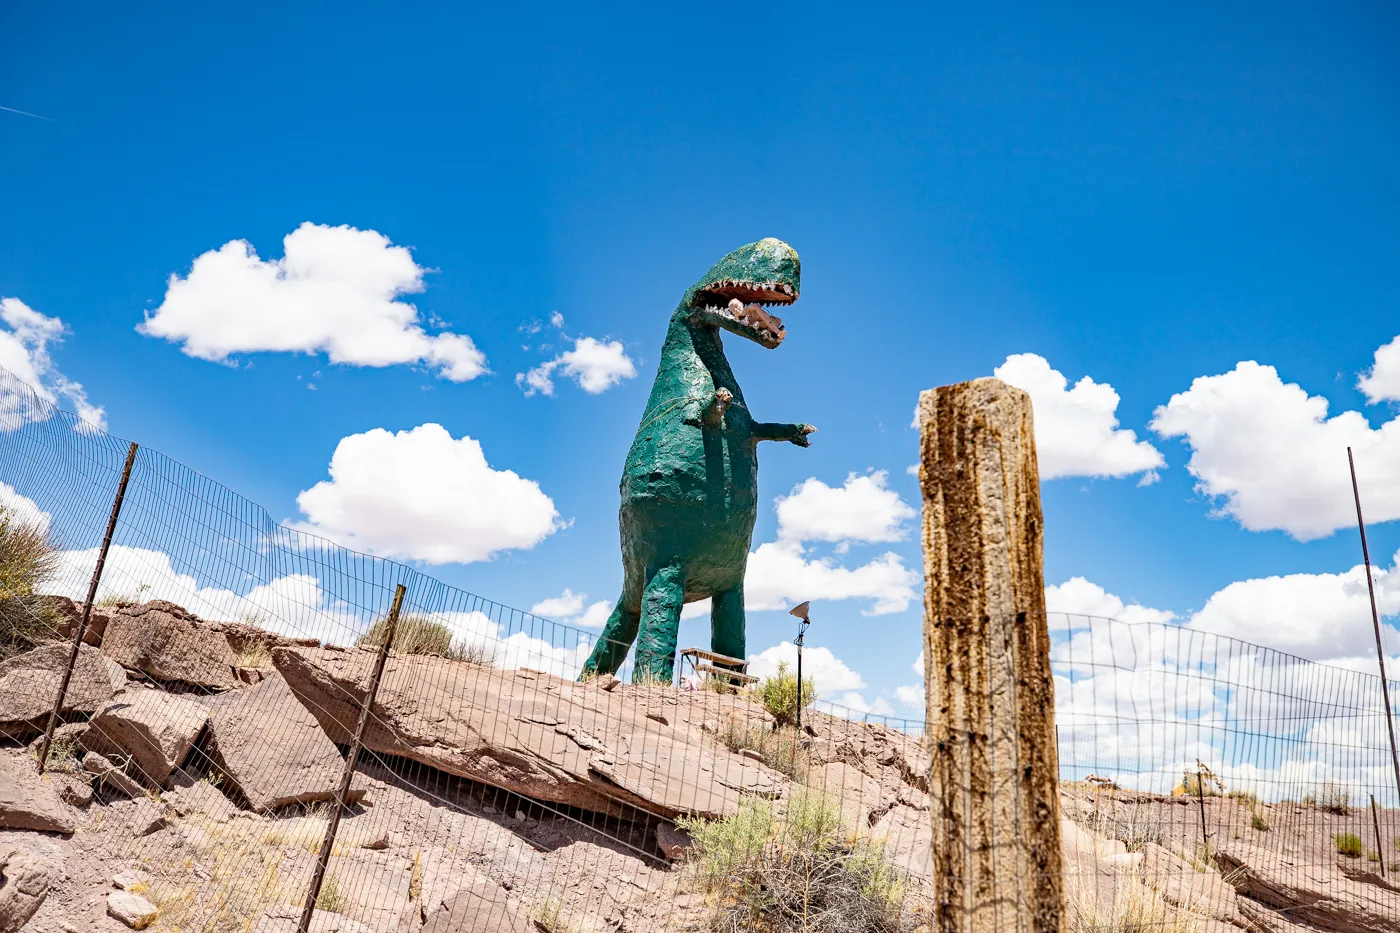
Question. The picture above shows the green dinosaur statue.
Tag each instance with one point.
(690, 486)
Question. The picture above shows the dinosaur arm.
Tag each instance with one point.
(713, 413)
(773, 431)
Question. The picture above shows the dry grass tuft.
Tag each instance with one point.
(1335, 798)
(228, 882)
(781, 747)
(549, 916)
(1135, 908)
(254, 654)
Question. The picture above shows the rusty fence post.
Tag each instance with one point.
(994, 772)
(1201, 796)
(81, 631)
(1376, 825)
(352, 759)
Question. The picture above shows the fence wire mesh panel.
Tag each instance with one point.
(1207, 784)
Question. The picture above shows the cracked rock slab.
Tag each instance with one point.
(272, 748)
(527, 732)
(29, 685)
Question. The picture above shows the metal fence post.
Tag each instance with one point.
(352, 758)
(87, 609)
(1376, 825)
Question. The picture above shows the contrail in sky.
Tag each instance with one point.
(25, 113)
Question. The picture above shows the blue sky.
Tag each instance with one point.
(1144, 198)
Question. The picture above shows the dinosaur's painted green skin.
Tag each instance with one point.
(690, 486)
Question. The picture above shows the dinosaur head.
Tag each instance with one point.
(736, 291)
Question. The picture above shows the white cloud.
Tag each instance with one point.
(1320, 616)
(828, 673)
(856, 703)
(1077, 596)
(1382, 383)
(335, 291)
(1076, 429)
(24, 351)
(560, 607)
(594, 364)
(568, 607)
(1324, 617)
(863, 509)
(422, 494)
(596, 615)
(21, 509)
(1269, 451)
(295, 604)
(910, 695)
(779, 575)
(696, 610)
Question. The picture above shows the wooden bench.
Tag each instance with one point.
(734, 669)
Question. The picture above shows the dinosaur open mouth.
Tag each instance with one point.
(745, 303)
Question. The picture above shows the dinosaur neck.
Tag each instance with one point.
(690, 354)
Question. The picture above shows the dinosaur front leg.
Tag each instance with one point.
(661, 621)
(611, 648)
(792, 433)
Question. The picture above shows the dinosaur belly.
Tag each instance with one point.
(693, 500)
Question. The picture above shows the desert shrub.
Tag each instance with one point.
(1259, 821)
(1199, 782)
(1133, 825)
(778, 694)
(1335, 798)
(1348, 844)
(28, 558)
(797, 871)
(474, 653)
(417, 634)
(781, 746)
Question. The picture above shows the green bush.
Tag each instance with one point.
(778, 694)
(799, 871)
(1348, 844)
(28, 558)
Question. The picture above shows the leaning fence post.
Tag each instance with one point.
(993, 779)
(1376, 825)
(352, 758)
(81, 631)
(1201, 796)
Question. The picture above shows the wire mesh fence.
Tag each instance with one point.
(1206, 783)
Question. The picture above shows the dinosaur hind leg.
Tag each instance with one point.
(661, 620)
(613, 644)
(727, 622)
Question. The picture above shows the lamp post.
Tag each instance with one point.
(801, 612)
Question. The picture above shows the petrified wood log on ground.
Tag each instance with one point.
(996, 846)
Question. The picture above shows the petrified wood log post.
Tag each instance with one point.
(991, 704)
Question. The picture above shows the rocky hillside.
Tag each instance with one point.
(189, 786)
